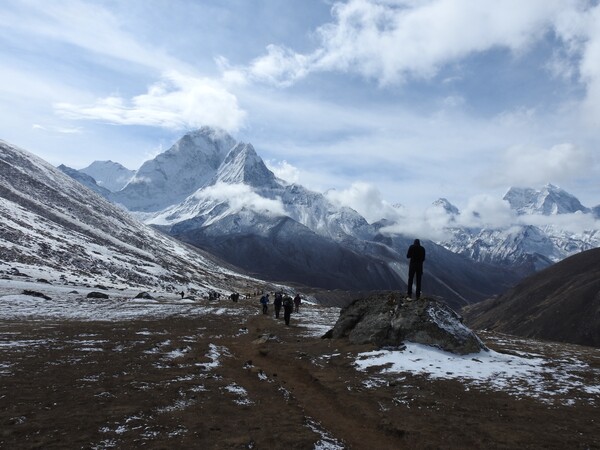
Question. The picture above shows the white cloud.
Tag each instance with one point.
(394, 41)
(577, 222)
(485, 211)
(176, 102)
(530, 166)
(482, 211)
(391, 41)
(86, 25)
(139, 179)
(590, 68)
(366, 200)
(55, 129)
(280, 66)
(240, 196)
(284, 170)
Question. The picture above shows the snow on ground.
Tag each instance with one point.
(315, 320)
(76, 307)
(564, 377)
(69, 302)
(524, 375)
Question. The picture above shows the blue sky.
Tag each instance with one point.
(385, 101)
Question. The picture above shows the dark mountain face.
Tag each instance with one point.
(281, 249)
(560, 303)
(287, 251)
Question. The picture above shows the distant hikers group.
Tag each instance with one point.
(280, 301)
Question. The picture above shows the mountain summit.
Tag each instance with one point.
(108, 174)
(549, 200)
(243, 165)
(189, 164)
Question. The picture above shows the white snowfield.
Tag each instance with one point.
(565, 378)
(524, 375)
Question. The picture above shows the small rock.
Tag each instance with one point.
(36, 294)
(95, 294)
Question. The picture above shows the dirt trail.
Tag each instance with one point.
(313, 389)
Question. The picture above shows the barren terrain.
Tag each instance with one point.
(172, 373)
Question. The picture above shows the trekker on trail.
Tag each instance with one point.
(288, 305)
(297, 301)
(416, 253)
(277, 303)
(264, 300)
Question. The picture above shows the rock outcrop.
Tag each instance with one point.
(385, 321)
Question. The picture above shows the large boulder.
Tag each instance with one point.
(384, 321)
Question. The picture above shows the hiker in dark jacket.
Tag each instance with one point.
(288, 306)
(264, 300)
(277, 303)
(416, 253)
(297, 302)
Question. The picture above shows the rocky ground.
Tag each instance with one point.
(169, 373)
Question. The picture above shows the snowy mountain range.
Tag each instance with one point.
(217, 194)
(54, 230)
(548, 225)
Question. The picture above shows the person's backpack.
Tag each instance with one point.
(263, 300)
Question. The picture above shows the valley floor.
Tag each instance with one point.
(167, 373)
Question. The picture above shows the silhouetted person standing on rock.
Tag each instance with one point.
(416, 253)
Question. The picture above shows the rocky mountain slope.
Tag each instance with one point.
(53, 228)
(84, 179)
(560, 303)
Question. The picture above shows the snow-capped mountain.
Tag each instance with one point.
(532, 242)
(189, 164)
(84, 179)
(217, 194)
(56, 229)
(446, 206)
(108, 174)
(243, 166)
(549, 200)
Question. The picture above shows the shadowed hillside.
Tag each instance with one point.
(561, 303)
